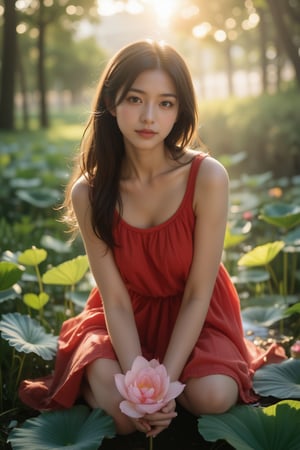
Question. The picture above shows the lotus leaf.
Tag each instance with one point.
(41, 198)
(256, 180)
(281, 214)
(243, 201)
(261, 255)
(263, 316)
(27, 335)
(33, 256)
(78, 298)
(293, 237)
(25, 183)
(247, 427)
(68, 273)
(279, 380)
(8, 294)
(271, 300)
(251, 276)
(55, 244)
(75, 429)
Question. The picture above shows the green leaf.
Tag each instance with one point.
(32, 257)
(243, 201)
(262, 315)
(256, 180)
(67, 273)
(36, 301)
(251, 276)
(9, 294)
(282, 215)
(271, 300)
(79, 298)
(27, 336)
(25, 183)
(234, 235)
(73, 429)
(279, 380)
(229, 160)
(10, 274)
(261, 255)
(293, 309)
(55, 244)
(293, 237)
(41, 198)
(250, 428)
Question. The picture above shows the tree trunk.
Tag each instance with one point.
(279, 59)
(7, 88)
(277, 11)
(44, 122)
(23, 88)
(263, 50)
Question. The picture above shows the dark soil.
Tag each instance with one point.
(181, 435)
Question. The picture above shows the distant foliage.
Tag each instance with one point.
(266, 128)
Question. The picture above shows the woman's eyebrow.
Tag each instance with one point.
(140, 91)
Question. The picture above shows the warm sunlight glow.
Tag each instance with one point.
(201, 31)
(108, 7)
(220, 36)
(162, 9)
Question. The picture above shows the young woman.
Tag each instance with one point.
(152, 214)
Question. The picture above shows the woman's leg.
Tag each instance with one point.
(213, 394)
(100, 391)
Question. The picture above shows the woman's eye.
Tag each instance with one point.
(167, 104)
(133, 99)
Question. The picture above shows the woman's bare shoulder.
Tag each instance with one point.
(212, 172)
(80, 191)
(212, 184)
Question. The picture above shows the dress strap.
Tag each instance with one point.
(196, 163)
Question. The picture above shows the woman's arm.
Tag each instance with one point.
(211, 207)
(117, 306)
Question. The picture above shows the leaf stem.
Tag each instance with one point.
(151, 443)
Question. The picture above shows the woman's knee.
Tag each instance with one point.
(101, 371)
(100, 391)
(213, 394)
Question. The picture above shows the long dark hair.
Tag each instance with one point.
(102, 147)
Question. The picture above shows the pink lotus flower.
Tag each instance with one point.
(146, 388)
(295, 350)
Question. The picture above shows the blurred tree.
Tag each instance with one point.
(7, 87)
(73, 64)
(259, 27)
(286, 16)
(62, 13)
(220, 25)
(35, 15)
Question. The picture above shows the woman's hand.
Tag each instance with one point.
(153, 424)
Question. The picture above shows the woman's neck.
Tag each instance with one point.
(147, 165)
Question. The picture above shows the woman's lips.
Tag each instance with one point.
(146, 133)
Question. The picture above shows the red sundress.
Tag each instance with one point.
(154, 264)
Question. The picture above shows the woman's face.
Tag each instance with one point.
(149, 110)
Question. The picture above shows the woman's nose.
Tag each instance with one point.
(148, 113)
